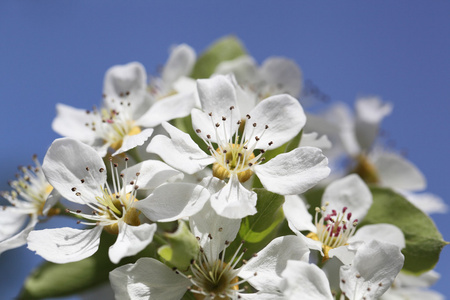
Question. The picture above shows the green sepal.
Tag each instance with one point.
(181, 249)
(58, 280)
(258, 230)
(226, 48)
(423, 240)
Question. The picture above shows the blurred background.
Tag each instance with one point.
(58, 51)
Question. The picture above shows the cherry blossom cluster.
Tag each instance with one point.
(180, 175)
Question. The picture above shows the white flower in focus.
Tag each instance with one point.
(210, 276)
(30, 198)
(345, 203)
(236, 147)
(79, 174)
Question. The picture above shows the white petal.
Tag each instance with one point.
(284, 117)
(131, 240)
(345, 254)
(312, 140)
(173, 201)
(132, 141)
(261, 296)
(369, 114)
(65, 165)
(71, 122)
(12, 220)
(168, 108)
(305, 281)
(427, 202)
(234, 200)
(147, 278)
(350, 192)
(396, 172)
(217, 95)
(208, 223)
(271, 261)
(180, 63)
(294, 172)
(18, 239)
(283, 73)
(244, 68)
(387, 233)
(52, 199)
(120, 79)
(374, 268)
(297, 214)
(179, 151)
(152, 173)
(63, 245)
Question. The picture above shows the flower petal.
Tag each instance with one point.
(71, 122)
(297, 214)
(294, 172)
(374, 268)
(213, 230)
(63, 245)
(66, 163)
(168, 108)
(386, 233)
(147, 278)
(270, 262)
(283, 117)
(234, 200)
(131, 240)
(244, 68)
(121, 79)
(18, 239)
(396, 172)
(369, 114)
(152, 173)
(305, 281)
(173, 201)
(132, 141)
(350, 192)
(12, 220)
(180, 63)
(282, 73)
(179, 151)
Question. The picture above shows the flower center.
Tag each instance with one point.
(234, 151)
(366, 170)
(31, 189)
(334, 229)
(115, 124)
(234, 159)
(111, 206)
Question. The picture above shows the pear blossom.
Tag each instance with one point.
(32, 197)
(345, 203)
(236, 154)
(129, 107)
(211, 275)
(78, 172)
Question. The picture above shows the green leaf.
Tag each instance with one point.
(423, 240)
(182, 248)
(258, 230)
(226, 48)
(58, 280)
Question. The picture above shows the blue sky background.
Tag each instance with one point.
(58, 51)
